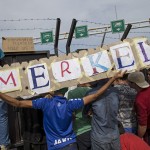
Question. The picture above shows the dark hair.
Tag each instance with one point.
(102, 82)
(93, 84)
(98, 83)
(61, 91)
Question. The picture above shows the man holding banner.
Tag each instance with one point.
(142, 103)
(57, 114)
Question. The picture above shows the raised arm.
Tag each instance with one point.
(94, 96)
(14, 102)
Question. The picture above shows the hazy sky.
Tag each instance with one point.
(93, 13)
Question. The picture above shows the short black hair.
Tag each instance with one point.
(61, 91)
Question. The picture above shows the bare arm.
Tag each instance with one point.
(141, 130)
(14, 102)
(94, 96)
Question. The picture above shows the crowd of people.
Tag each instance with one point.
(109, 114)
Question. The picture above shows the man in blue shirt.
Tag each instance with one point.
(57, 113)
(57, 119)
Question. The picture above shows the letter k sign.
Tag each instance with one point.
(96, 63)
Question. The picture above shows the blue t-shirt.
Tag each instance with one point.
(57, 119)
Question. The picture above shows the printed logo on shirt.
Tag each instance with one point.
(63, 140)
(76, 99)
(58, 104)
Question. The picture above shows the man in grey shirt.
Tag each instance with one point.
(105, 133)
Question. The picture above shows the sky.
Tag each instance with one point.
(28, 18)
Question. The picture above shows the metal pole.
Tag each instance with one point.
(103, 38)
(73, 25)
(57, 36)
(125, 34)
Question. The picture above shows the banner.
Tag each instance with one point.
(51, 74)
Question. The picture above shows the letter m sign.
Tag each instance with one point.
(10, 80)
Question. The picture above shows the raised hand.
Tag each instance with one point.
(119, 74)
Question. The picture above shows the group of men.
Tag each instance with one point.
(106, 101)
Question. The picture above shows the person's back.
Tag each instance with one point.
(57, 119)
(81, 124)
(127, 114)
(105, 134)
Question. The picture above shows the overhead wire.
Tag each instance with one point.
(84, 45)
(25, 29)
(92, 22)
(27, 19)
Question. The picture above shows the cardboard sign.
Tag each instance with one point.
(17, 44)
(50, 74)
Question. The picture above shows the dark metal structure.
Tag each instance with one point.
(73, 25)
(126, 32)
(57, 36)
